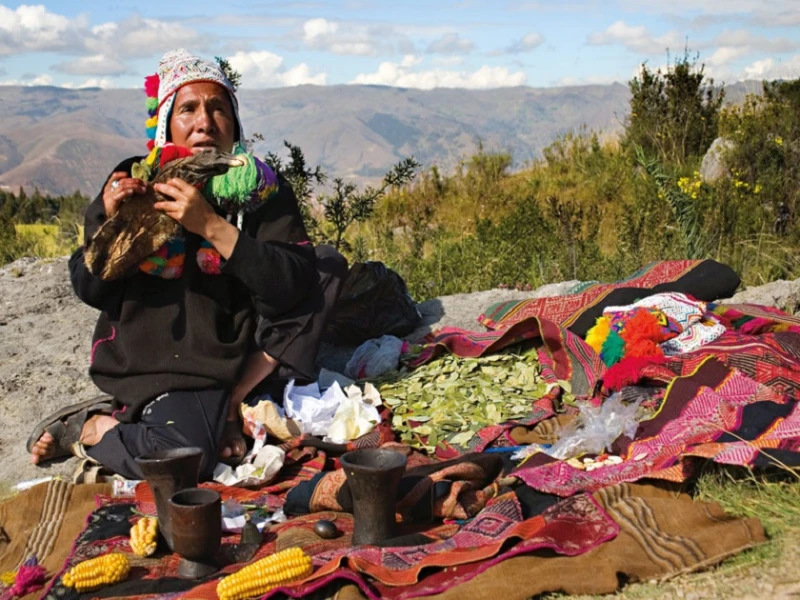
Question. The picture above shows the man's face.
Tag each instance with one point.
(202, 118)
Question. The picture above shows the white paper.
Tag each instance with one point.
(235, 524)
(357, 414)
(266, 464)
(311, 409)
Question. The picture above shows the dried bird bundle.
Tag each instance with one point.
(138, 230)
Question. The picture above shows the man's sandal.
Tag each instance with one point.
(90, 471)
(66, 425)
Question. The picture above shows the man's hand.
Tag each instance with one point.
(190, 208)
(120, 186)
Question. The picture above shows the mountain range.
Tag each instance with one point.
(61, 140)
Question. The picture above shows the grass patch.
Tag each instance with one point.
(41, 240)
(773, 498)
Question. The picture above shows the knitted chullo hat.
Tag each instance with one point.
(176, 69)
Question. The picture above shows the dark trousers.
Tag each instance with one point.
(197, 418)
(173, 420)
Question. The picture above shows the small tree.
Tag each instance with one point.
(674, 115)
(302, 178)
(348, 204)
(232, 74)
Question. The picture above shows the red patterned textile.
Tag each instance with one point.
(571, 527)
(703, 414)
(566, 309)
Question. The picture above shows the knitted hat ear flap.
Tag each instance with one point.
(163, 121)
(151, 90)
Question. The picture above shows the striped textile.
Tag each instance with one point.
(44, 522)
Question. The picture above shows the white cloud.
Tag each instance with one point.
(636, 38)
(742, 38)
(450, 43)
(265, 69)
(97, 64)
(724, 55)
(93, 82)
(34, 29)
(447, 61)
(402, 74)
(769, 68)
(39, 80)
(786, 18)
(322, 34)
(526, 44)
(772, 13)
(104, 47)
(709, 6)
(316, 29)
(138, 37)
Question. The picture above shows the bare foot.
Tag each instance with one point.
(233, 445)
(93, 430)
(96, 427)
(259, 366)
(42, 449)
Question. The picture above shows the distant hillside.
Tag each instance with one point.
(62, 140)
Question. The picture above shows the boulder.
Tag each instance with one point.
(713, 167)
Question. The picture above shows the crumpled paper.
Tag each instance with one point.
(270, 416)
(258, 468)
(235, 515)
(357, 414)
(310, 408)
(337, 415)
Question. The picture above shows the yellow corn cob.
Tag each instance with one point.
(144, 536)
(263, 575)
(97, 572)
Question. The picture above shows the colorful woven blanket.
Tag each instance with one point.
(476, 524)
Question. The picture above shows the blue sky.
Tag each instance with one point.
(424, 44)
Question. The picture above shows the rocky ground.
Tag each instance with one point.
(45, 341)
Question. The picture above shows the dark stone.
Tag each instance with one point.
(326, 529)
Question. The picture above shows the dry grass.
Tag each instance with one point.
(42, 241)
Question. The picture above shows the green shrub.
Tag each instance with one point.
(674, 114)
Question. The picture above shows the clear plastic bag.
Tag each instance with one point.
(375, 357)
(596, 428)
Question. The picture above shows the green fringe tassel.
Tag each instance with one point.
(613, 349)
(151, 103)
(237, 184)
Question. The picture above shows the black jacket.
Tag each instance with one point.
(157, 335)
